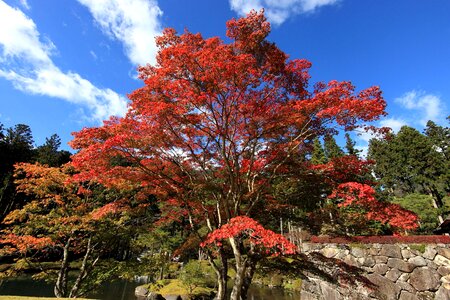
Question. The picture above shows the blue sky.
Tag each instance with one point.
(65, 65)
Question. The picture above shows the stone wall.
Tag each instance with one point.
(398, 271)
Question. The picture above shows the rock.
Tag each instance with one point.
(381, 259)
(404, 277)
(329, 252)
(444, 270)
(406, 286)
(441, 260)
(392, 251)
(406, 253)
(380, 269)
(329, 292)
(432, 264)
(358, 252)
(393, 275)
(368, 261)
(445, 252)
(350, 260)
(372, 251)
(424, 279)
(418, 261)
(407, 296)
(385, 287)
(154, 296)
(141, 291)
(426, 296)
(445, 279)
(443, 294)
(429, 253)
(304, 295)
(400, 265)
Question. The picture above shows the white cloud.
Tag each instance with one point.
(428, 106)
(135, 23)
(277, 11)
(26, 62)
(393, 123)
(25, 4)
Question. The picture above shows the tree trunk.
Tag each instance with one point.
(221, 273)
(236, 292)
(60, 289)
(84, 271)
(248, 279)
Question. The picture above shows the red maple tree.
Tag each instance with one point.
(215, 124)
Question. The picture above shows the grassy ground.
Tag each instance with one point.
(30, 298)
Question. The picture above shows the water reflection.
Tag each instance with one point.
(120, 290)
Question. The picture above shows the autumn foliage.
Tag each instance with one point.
(246, 228)
(215, 126)
(363, 196)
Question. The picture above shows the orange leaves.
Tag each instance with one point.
(24, 243)
(245, 227)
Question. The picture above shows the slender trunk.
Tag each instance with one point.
(248, 279)
(60, 289)
(84, 271)
(436, 204)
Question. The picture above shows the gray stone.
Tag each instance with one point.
(432, 264)
(400, 265)
(140, 291)
(444, 252)
(429, 253)
(155, 296)
(426, 295)
(406, 286)
(393, 275)
(407, 296)
(304, 295)
(445, 279)
(385, 287)
(329, 252)
(441, 260)
(350, 260)
(404, 277)
(424, 279)
(358, 252)
(406, 253)
(372, 251)
(392, 251)
(342, 254)
(443, 294)
(329, 292)
(380, 269)
(418, 261)
(444, 270)
(381, 259)
(368, 261)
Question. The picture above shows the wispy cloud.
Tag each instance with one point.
(25, 4)
(26, 62)
(135, 23)
(278, 11)
(427, 106)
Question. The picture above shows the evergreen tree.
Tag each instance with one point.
(408, 162)
(48, 154)
(16, 145)
(350, 145)
(318, 154)
(332, 150)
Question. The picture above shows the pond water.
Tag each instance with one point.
(122, 290)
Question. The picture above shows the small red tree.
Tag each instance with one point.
(216, 124)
